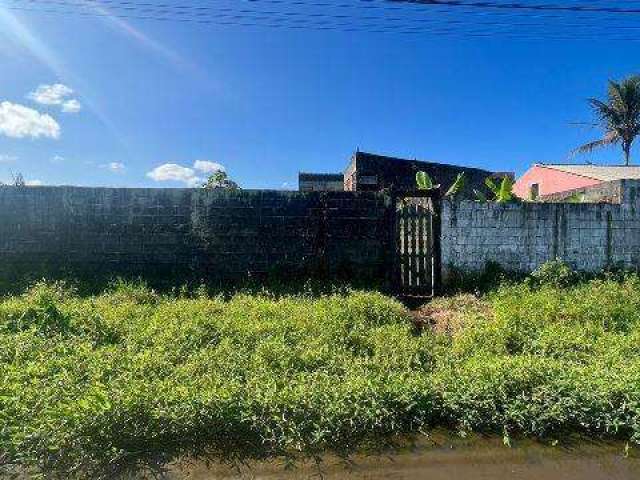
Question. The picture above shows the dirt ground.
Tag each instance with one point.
(446, 459)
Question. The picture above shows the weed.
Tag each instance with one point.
(130, 379)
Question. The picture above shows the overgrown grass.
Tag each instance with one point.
(130, 380)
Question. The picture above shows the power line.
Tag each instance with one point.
(199, 11)
(253, 21)
(203, 11)
(360, 4)
(519, 6)
(258, 20)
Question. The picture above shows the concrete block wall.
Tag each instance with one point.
(320, 182)
(521, 236)
(208, 233)
(606, 192)
(231, 234)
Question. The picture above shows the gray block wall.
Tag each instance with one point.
(208, 233)
(606, 192)
(225, 234)
(521, 236)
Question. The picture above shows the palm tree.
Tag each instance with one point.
(619, 116)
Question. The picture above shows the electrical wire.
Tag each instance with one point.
(305, 20)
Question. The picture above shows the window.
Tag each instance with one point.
(368, 180)
(534, 191)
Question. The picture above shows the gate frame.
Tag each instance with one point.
(435, 194)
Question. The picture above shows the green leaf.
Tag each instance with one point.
(481, 197)
(424, 181)
(506, 439)
(457, 186)
(505, 193)
(491, 185)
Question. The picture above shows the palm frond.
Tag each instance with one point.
(607, 114)
(609, 139)
(619, 116)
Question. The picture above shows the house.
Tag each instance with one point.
(371, 172)
(320, 182)
(556, 182)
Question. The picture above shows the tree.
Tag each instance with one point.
(618, 115)
(18, 180)
(220, 180)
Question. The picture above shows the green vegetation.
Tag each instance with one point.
(457, 186)
(220, 180)
(425, 182)
(618, 115)
(502, 192)
(130, 380)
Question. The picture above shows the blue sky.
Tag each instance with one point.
(268, 103)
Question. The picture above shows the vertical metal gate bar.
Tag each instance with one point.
(420, 256)
(416, 240)
(426, 218)
(410, 245)
(423, 245)
(416, 246)
(431, 256)
(405, 246)
(400, 214)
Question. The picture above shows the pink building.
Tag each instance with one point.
(541, 179)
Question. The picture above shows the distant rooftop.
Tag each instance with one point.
(305, 176)
(415, 162)
(605, 173)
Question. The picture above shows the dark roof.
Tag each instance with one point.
(400, 174)
(327, 177)
(417, 163)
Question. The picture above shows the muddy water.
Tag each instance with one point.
(485, 459)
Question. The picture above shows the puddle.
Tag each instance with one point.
(446, 459)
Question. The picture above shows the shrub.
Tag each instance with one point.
(130, 380)
(554, 272)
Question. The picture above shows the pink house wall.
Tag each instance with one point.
(549, 181)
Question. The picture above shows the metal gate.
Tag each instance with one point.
(418, 243)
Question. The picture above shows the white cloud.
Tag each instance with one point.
(114, 167)
(50, 94)
(71, 106)
(7, 158)
(175, 173)
(57, 159)
(56, 94)
(18, 121)
(34, 183)
(206, 166)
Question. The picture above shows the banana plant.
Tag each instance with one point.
(480, 196)
(424, 181)
(502, 193)
(457, 186)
